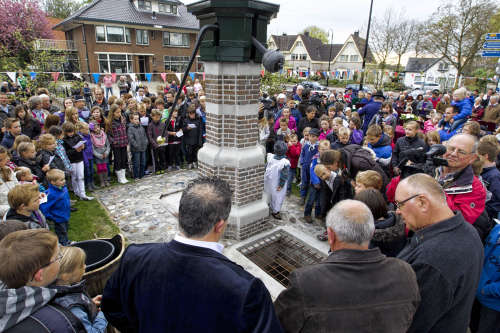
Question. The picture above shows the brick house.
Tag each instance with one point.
(133, 36)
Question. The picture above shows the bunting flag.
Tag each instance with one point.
(192, 75)
(179, 76)
(32, 75)
(132, 76)
(395, 74)
(96, 77)
(307, 73)
(262, 73)
(113, 77)
(324, 74)
(55, 76)
(12, 76)
(163, 77)
(77, 75)
(149, 76)
(203, 76)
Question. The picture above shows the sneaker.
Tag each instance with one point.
(308, 219)
(87, 198)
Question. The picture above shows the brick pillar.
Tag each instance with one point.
(232, 151)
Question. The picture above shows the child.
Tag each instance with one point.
(343, 138)
(175, 134)
(71, 291)
(488, 152)
(368, 179)
(432, 138)
(336, 125)
(276, 178)
(83, 111)
(156, 128)
(292, 154)
(389, 131)
(264, 130)
(13, 129)
(19, 139)
(74, 146)
(380, 144)
(27, 158)
(305, 136)
(87, 93)
(325, 129)
(117, 135)
(309, 149)
(283, 131)
(88, 155)
(57, 207)
(46, 152)
(192, 136)
(290, 120)
(314, 186)
(356, 133)
(24, 203)
(97, 115)
(7, 179)
(385, 117)
(138, 144)
(432, 124)
(58, 134)
(409, 141)
(100, 149)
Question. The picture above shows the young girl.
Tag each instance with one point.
(27, 158)
(283, 131)
(175, 134)
(71, 115)
(356, 133)
(46, 152)
(432, 138)
(71, 293)
(389, 131)
(325, 129)
(97, 116)
(7, 180)
(100, 148)
(293, 154)
(29, 125)
(276, 178)
(432, 124)
(292, 125)
(88, 156)
(117, 134)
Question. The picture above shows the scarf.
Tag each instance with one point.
(98, 141)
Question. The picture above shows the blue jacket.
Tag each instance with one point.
(175, 287)
(491, 178)
(450, 130)
(307, 154)
(488, 291)
(464, 107)
(314, 179)
(369, 111)
(57, 207)
(383, 147)
(8, 140)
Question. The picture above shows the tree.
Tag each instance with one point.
(21, 22)
(382, 39)
(456, 31)
(317, 32)
(61, 8)
(404, 38)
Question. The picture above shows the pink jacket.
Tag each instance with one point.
(108, 81)
(291, 124)
(323, 134)
(429, 126)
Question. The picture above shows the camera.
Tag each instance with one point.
(422, 162)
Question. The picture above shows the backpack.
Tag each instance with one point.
(357, 158)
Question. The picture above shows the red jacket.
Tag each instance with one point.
(293, 154)
(471, 203)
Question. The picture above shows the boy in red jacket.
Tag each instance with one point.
(293, 153)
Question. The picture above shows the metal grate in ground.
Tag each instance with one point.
(279, 253)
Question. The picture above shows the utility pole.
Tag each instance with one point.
(329, 58)
(366, 48)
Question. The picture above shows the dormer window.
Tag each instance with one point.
(168, 8)
(144, 5)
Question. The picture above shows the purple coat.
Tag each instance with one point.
(357, 136)
(88, 153)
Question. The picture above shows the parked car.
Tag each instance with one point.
(426, 85)
(355, 87)
(314, 86)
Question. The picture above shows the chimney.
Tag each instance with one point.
(284, 34)
(306, 33)
(356, 33)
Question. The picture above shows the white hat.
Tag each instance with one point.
(280, 96)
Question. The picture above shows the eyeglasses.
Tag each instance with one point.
(400, 205)
(451, 149)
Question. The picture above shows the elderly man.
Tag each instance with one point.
(445, 253)
(47, 105)
(464, 191)
(35, 104)
(298, 93)
(356, 289)
(492, 112)
(188, 285)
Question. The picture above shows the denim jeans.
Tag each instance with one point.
(304, 180)
(109, 91)
(88, 173)
(311, 200)
(291, 175)
(139, 163)
(61, 230)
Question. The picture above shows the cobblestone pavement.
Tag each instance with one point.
(143, 217)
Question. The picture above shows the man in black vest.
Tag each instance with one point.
(30, 263)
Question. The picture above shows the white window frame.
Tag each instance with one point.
(344, 58)
(143, 31)
(145, 9)
(126, 34)
(128, 60)
(169, 38)
(184, 62)
(353, 58)
(173, 8)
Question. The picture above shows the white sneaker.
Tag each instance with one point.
(87, 198)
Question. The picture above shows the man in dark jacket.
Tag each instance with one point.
(30, 263)
(356, 289)
(188, 285)
(371, 109)
(445, 252)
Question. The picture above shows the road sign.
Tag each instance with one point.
(491, 45)
(491, 53)
(493, 36)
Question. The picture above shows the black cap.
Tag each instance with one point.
(314, 131)
(379, 93)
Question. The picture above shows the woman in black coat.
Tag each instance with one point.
(29, 125)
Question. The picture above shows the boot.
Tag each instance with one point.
(122, 179)
(101, 179)
(118, 176)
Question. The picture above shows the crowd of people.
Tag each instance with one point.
(406, 190)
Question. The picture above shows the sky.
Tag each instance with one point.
(342, 17)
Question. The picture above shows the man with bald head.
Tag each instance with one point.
(445, 252)
(464, 191)
(355, 289)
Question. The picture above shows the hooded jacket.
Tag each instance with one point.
(389, 235)
(57, 207)
(382, 147)
(464, 107)
(137, 138)
(56, 163)
(491, 178)
(488, 290)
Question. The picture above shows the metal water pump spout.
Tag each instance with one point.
(272, 60)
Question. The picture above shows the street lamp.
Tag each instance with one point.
(366, 48)
(330, 57)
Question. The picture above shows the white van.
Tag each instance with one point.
(427, 85)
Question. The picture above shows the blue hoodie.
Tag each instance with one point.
(57, 207)
(464, 109)
(488, 291)
(307, 154)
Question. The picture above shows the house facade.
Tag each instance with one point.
(305, 53)
(133, 36)
(435, 70)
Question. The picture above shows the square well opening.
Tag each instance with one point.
(279, 253)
